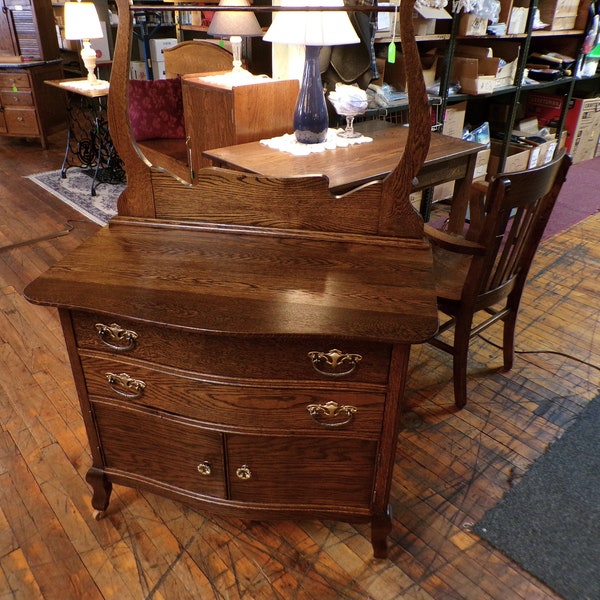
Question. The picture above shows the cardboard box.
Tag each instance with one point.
(424, 19)
(157, 47)
(480, 72)
(454, 121)
(517, 23)
(583, 114)
(545, 107)
(517, 158)
(395, 75)
(158, 69)
(559, 14)
(584, 143)
(476, 76)
(471, 24)
(137, 70)
(481, 166)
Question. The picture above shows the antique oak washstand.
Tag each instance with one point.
(242, 344)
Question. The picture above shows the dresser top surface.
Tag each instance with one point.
(227, 280)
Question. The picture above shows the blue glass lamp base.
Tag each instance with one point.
(311, 119)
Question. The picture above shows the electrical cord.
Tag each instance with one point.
(50, 236)
(555, 352)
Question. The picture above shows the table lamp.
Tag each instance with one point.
(312, 30)
(235, 25)
(82, 23)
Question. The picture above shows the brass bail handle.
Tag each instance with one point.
(334, 363)
(116, 337)
(125, 385)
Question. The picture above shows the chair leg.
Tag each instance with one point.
(508, 342)
(461, 353)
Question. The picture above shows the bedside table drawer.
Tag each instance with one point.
(20, 98)
(177, 453)
(236, 356)
(21, 121)
(14, 80)
(228, 404)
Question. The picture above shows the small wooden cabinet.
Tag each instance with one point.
(29, 54)
(256, 404)
(221, 114)
(27, 30)
(28, 108)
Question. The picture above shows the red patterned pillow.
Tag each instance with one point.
(156, 109)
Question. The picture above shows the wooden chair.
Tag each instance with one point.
(487, 269)
(193, 56)
(196, 56)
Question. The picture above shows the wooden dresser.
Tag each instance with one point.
(260, 375)
(29, 55)
(242, 343)
(28, 108)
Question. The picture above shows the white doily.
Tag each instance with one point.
(288, 143)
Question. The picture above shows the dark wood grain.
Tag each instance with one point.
(451, 466)
(248, 283)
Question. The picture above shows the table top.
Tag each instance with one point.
(77, 86)
(354, 165)
(223, 280)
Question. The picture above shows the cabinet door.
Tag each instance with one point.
(161, 448)
(325, 472)
(7, 40)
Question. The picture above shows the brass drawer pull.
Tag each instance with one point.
(116, 337)
(243, 472)
(334, 363)
(204, 468)
(125, 385)
(331, 414)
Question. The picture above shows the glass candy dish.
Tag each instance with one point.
(349, 101)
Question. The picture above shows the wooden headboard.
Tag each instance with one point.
(196, 56)
(232, 198)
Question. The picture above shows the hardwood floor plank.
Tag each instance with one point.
(451, 466)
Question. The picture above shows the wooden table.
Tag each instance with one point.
(449, 159)
(89, 144)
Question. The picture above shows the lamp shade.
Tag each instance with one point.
(81, 21)
(315, 28)
(228, 23)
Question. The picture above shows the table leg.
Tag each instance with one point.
(460, 198)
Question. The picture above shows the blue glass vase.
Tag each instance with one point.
(310, 116)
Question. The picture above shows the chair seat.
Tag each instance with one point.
(450, 271)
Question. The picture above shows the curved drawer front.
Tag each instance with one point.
(236, 356)
(177, 453)
(236, 405)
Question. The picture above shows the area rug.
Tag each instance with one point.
(578, 197)
(549, 523)
(75, 190)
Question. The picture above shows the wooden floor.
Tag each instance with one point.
(451, 466)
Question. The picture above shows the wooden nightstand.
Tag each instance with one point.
(218, 113)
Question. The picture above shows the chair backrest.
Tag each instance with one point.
(517, 208)
(196, 56)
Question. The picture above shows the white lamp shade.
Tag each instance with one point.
(315, 28)
(228, 23)
(81, 21)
